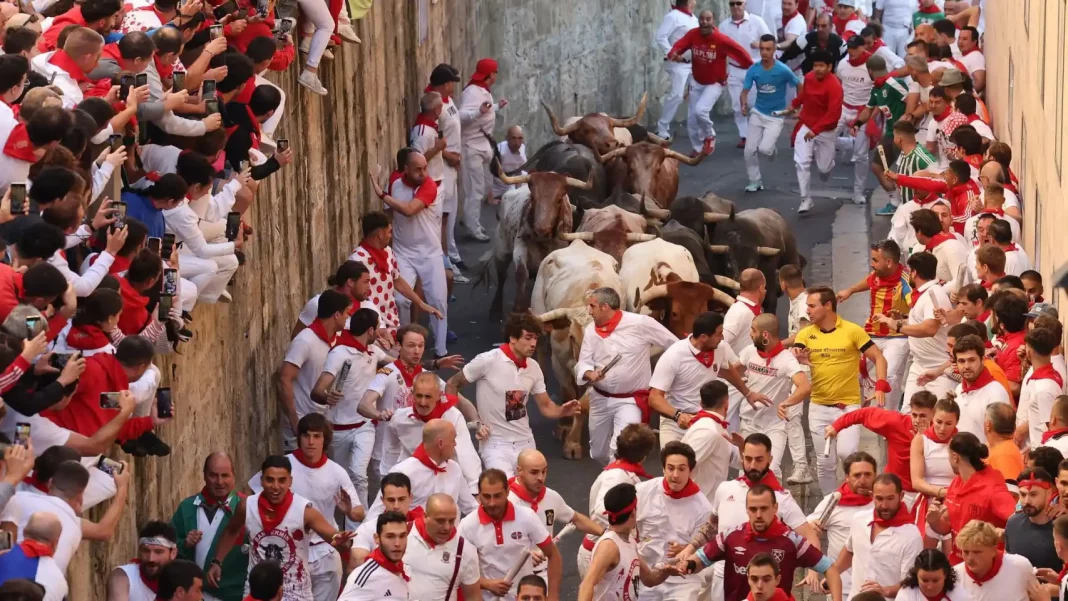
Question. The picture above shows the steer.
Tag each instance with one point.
(559, 297)
(597, 130)
(648, 169)
(758, 238)
(574, 160)
(662, 278)
(610, 230)
(532, 218)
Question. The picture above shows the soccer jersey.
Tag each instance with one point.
(890, 96)
(908, 164)
(890, 293)
(835, 357)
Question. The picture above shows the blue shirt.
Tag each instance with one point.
(771, 86)
(140, 207)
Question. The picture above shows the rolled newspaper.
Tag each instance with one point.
(611, 364)
(882, 157)
(832, 502)
(827, 447)
(567, 529)
(518, 565)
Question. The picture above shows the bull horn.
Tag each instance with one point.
(726, 282)
(678, 156)
(518, 180)
(767, 251)
(614, 154)
(560, 131)
(722, 297)
(572, 236)
(633, 237)
(655, 139)
(652, 294)
(552, 315)
(719, 249)
(655, 212)
(713, 217)
(632, 120)
(581, 185)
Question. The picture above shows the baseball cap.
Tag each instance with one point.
(443, 74)
(855, 42)
(23, 20)
(484, 69)
(952, 77)
(877, 65)
(852, 3)
(1041, 309)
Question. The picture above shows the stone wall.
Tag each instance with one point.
(578, 57)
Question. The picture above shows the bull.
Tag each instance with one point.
(532, 218)
(610, 230)
(597, 131)
(648, 169)
(573, 160)
(564, 278)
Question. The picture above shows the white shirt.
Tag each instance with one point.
(310, 312)
(972, 236)
(500, 544)
(745, 32)
(973, 61)
(552, 510)
(771, 377)
(737, 322)
(680, 375)
(888, 558)
(838, 524)
(24, 504)
(893, 61)
(973, 406)
(856, 83)
(769, 11)
(1009, 584)
(404, 433)
(83, 284)
(929, 353)
(52, 579)
(393, 392)
(419, 236)
(714, 453)
(951, 254)
(601, 485)
(729, 506)
(1037, 397)
(1059, 442)
(1016, 259)
(617, 584)
(372, 582)
(798, 312)
(502, 391)
(449, 125)
(914, 594)
(675, 25)
(509, 161)
(430, 567)
(425, 483)
(423, 139)
(897, 13)
(72, 93)
(182, 221)
(308, 353)
(631, 339)
(663, 520)
(363, 367)
(472, 122)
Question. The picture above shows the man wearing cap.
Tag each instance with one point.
(676, 23)
(888, 95)
(856, 91)
(478, 114)
(846, 21)
(745, 29)
(443, 81)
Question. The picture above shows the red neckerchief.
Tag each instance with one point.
(439, 409)
(414, 514)
(509, 515)
(422, 119)
(768, 480)
(975, 160)
(945, 113)
(32, 548)
(320, 331)
(34, 481)
(840, 25)
(901, 518)
(63, 60)
(165, 71)
(768, 355)
(408, 374)
(689, 490)
(684, 11)
(755, 307)
(998, 212)
(976, 49)
(879, 82)
(702, 414)
(1047, 372)
(626, 466)
(706, 358)
(787, 18)
(444, 97)
(850, 498)
(272, 515)
(778, 595)
(983, 379)
(212, 502)
(87, 338)
(152, 585)
(993, 571)
(930, 10)
(18, 145)
(930, 433)
(609, 326)
(989, 284)
(860, 60)
(524, 495)
(774, 530)
(421, 454)
(507, 350)
(1052, 434)
(303, 459)
(420, 527)
(876, 45)
(255, 122)
(397, 569)
(379, 258)
(972, 118)
(345, 338)
(936, 240)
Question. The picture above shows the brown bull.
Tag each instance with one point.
(610, 230)
(677, 303)
(647, 169)
(594, 130)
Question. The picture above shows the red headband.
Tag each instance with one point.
(1033, 483)
(613, 515)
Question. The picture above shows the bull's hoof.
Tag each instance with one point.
(572, 451)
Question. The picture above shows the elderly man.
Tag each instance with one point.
(32, 558)
(478, 114)
(745, 29)
(157, 546)
(513, 154)
(676, 24)
(436, 563)
(208, 512)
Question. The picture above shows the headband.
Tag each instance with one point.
(614, 515)
(159, 541)
(1034, 483)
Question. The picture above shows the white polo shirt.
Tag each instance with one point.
(426, 482)
(373, 582)
(714, 454)
(771, 377)
(431, 566)
(929, 353)
(24, 504)
(500, 544)
(404, 433)
(1036, 404)
(449, 125)
(1059, 442)
(839, 524)
(973, 405)
(364, 366)
(729, 506)
(308, 353)
(1009, 583)
(745, 32)
(631, 340)
(552, 509)
(393, 392)
(737, 322)
(950, 254)
(501, 391)
(423, 138)
(888, 558)
(310, 312)
(680, 375)
(417, 237)
(663, 520)
(973, 61)
(1016, 259)
(798, 312)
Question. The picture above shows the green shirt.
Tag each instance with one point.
(234, 567)
(908, 164)
(891, 95)
(920, 17)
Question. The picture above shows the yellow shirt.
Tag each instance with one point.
(835, 358)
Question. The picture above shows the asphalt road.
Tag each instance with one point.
(722, 173)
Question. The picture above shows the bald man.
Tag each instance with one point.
(438, 560)
(32, 558)
(528, 489)
(1057, 434)
(513, 153)
(774, 372)
(202, 518)
(736, 324)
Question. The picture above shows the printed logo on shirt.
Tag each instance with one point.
(633, 578)
(778, 554)
(445, 557)
(278, 545)
(708, 53)
(550, 517)
(762, 369)
(515, 406)
(768, 88)
(517, 536)
(739, 550)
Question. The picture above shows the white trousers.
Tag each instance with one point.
(735, 84)
(209, 275)
(502, 454)
(673, 589)
(450, 205)
(317, 17)
(896, 353)
(897, 38)
(669, 431)
(820, 148)
(844, 445)
(939, 387)
(430, 271)
(608, 417)
(859, 146)
(582, 561)
(678, 74)
(474, 173)
(352, 450)
(187, 293)
(764, 133)
(326, 574)
(699, 118)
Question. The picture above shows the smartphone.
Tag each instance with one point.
(128, 142)
(140, 80)
(125, 83)
(164, 403)
(5, 541)
(227, 8)
(115, 142)
(207, 89)
(215, 31)
(165, 305)
(22, 434)
(18, 198)
(212, 106)
(154, 244)
(31, 323)
(179, 82)
(119, 209)
(167, 247)
(282, 144)
(109, 466)
(109, 400)
(233, 225)
(59, 360)
(170, 282)
(283, 26)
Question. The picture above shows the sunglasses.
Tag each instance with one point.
(736, 3)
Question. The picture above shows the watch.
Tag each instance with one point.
(675, 417)
(897, 326)
(216, 562)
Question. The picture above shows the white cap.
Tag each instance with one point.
(852, 3)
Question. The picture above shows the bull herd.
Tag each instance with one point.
(672, 258)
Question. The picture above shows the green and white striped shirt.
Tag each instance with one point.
(908, 164)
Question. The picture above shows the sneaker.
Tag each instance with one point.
(740, 144)
(458, 262)
(346, 33)
(480, 236)
(459, 278)
(755, 186)
(665, 135)
(305, 45)
(887, 211)
(225, 297)
(806, 206)
(860, 199)
(824, 176)
(311, 81)
(799, 476)
(328, 55)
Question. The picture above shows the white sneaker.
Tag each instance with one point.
(311, 81)
(859, 199)
(346, 33)
(799, 476)
(305, 44)
(225, 297)
(806, 206)
(328, 54)
(663, 134)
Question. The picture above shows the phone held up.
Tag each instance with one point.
(164, 403)
(18, 198)
(109, 466)
(109, 400)
(233, 225)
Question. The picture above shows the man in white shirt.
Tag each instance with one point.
(478, 114)
(792, 284)
(1057, 435)
(896, 17)
(503, 533)
(157, 546)
(382, 575)
(505, 378)
(1016, 259)
(738, 319)
(679, 20)
(528, 489)
(439, 560)
(988, 573)
(972, 57)
(71, 65)
(977, 388)
(351, 278)
(513, 154)
(443, 80)
(707, 436)
(395, 492)
(746, 29)
(873, 42)
(856, 92)
(619, 396)
(425, 138)
(1041, 387)
(950, 251)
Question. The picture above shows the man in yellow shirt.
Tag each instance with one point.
(833, 347)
